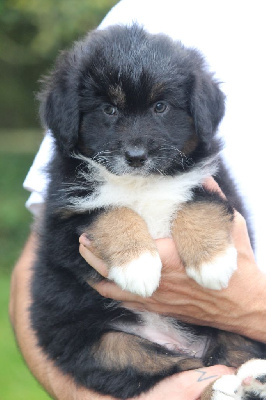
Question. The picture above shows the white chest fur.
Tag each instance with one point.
(155, 198)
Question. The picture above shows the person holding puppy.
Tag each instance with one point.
(177, 294)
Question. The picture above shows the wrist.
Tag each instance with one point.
(247, 315)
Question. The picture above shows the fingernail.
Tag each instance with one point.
(83, 239)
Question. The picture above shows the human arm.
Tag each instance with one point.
(241, 308)
(187, 385)
(59, 386)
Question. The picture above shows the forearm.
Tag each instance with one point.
(59, 386)
(18, 309)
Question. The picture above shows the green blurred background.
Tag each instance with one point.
(31, 34)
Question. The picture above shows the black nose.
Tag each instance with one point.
(136, 156)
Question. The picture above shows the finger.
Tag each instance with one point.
(240, 236)
(185, 385)
(205, 376)
(93, 260)
(213, 186)
(169, 254)
(105, 288)
(112, 291)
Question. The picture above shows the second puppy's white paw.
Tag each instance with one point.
(216, 274)
(225, 388)
(253, 377)
(140, 276)
(248, 383)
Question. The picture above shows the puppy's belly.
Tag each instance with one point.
(166, 332)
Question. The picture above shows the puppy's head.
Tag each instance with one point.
(134, 102)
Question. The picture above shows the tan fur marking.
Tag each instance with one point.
(208, 391)
(120, 236)
(118, 350)
(156, 92)
(117, 95)
(191, 144)
(238, 349)
(201, 232)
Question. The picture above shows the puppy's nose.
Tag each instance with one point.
(136, 156)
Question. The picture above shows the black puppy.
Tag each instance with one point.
(134, 117)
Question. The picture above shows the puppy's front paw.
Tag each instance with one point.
(216, 274)
(140, 276)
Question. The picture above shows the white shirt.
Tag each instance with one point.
(231, 34)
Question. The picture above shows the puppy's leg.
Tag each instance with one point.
(135, 364)
(202, 232)
(120, 237)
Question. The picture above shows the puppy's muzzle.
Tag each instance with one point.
(136, 156)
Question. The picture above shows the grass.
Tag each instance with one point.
(16, 382)
(17, 149)
(15, 219)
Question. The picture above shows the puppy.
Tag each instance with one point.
(134, 117)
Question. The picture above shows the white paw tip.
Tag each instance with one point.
(252, 368)
(216, 274)
(140, 276)
(227, 385)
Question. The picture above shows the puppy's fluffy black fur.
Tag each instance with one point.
(118, 90)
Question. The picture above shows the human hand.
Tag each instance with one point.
(178, 295)
(186, 385)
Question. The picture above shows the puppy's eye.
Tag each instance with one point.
(160, 107)
(110, 110)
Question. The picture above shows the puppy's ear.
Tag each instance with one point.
(59, 109)
(207, 105)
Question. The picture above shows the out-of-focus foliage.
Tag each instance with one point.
(31, 30)
(17, 150)
(31, 34)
